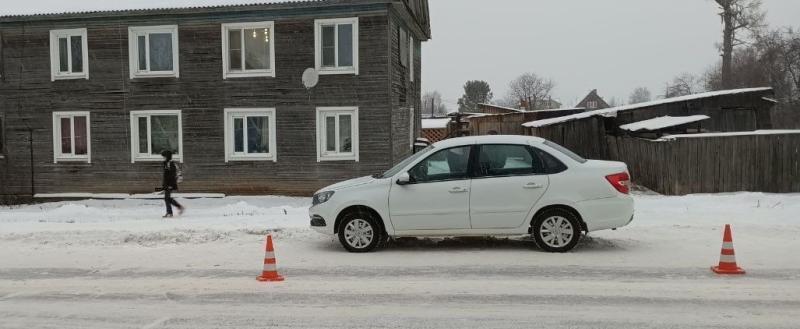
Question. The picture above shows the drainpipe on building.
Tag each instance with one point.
(33, 180)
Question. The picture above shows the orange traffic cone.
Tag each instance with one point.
(727, 258)
(270, 272)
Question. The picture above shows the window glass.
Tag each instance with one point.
(81, 138)
(550, 163)
(447, 164)
(77, 53)
(566, 151)
(2, 136)
(256, 48)
(403, 41)
(330, 133)
(235, 50)
(257, 134)
(329, 45)
(238, 135)
(66, 136)
(345, 134)
(164, 134)
(345, 44)
(63, 55)
(160, 51)
(504, 160)
(142, 41)
(143, 142)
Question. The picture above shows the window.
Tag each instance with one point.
(550, 163)
(2, 137)
(566, 151)
(448, 164)
(153, 51)
(507, 160)
(248, 50)
(591, 104)
(411, 67)
(153, 132)
(250, 135)
(411, 131)
(69, 54)
(337, 133)
(336, 45)
(71, 137)
(403, 42)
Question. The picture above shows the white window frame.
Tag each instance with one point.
(411, 125)
(149, 157)
(55, 67)
(133, 51)
(226, 73)
(322, 153)
(411, 56)
(591, 104)
(318, 46)
(230, 154)
(61, 157)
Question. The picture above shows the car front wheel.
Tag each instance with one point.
(359, 232)
(556, 230)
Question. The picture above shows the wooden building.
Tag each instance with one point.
(88, 100)
(593, 101)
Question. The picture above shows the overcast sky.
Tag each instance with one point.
(611, 45)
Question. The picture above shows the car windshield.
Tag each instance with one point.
(411, 158)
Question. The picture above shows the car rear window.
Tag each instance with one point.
(566, 151)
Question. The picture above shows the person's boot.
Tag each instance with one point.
(181, 209)
(167, 216)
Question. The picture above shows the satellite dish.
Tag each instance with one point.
(310, 78)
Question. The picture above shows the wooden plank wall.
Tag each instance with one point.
(764, 163)
(510, 123)
(28, 98)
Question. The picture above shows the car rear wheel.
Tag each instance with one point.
(556, 230)
(359, 232)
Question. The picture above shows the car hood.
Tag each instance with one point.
(350, 183)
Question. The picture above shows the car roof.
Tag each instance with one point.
(489, 139)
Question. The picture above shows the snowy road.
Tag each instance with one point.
(109, 265)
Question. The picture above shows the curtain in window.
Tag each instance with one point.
(256, 49)
(164, 133)
(160, 52)
(329, 45)
(81, 138)
(77, 53)
(257, 135)
(345, 134)
(235, 50)
(66, 136)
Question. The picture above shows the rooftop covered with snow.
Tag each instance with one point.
(663, 122)
(610, 112)
(731, 134)
(59, 7)
(438, 123)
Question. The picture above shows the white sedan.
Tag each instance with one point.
(479, 186)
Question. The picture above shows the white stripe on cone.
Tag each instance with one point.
(269, 255)
(727, 245)
(727, 259)
(270, 268)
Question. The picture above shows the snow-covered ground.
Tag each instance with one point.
(117, 264)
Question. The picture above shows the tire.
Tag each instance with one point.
(556, 230)
(359, 232)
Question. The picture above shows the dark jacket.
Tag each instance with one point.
(170, 175)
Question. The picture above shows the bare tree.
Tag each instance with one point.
(682, 85)
(640, 95)
(475, 92)
(531, 89)
(432, 104)
(737, 16)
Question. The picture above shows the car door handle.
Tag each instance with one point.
(458, 190)
(533, 185)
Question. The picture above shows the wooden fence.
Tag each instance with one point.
(511, 123)
(764, 163)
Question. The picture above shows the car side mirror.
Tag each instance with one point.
(403, 179)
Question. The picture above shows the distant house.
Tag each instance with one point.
(89, 99)
(593, 101)
(496, 109)
(542, 104)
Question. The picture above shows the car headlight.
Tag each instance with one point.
(322, 197)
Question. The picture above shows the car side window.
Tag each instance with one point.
(551, 164)
(507, 160)
(448, 164)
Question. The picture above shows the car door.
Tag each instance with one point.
(508, 181)
(437, 195)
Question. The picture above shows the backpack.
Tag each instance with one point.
(178, 172)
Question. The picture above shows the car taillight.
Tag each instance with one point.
(620, 181)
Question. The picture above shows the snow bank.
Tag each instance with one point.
(611, 112)
(663, 122)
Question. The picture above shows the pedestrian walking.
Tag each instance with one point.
(170, 183)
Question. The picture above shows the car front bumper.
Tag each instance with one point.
(322, 219)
